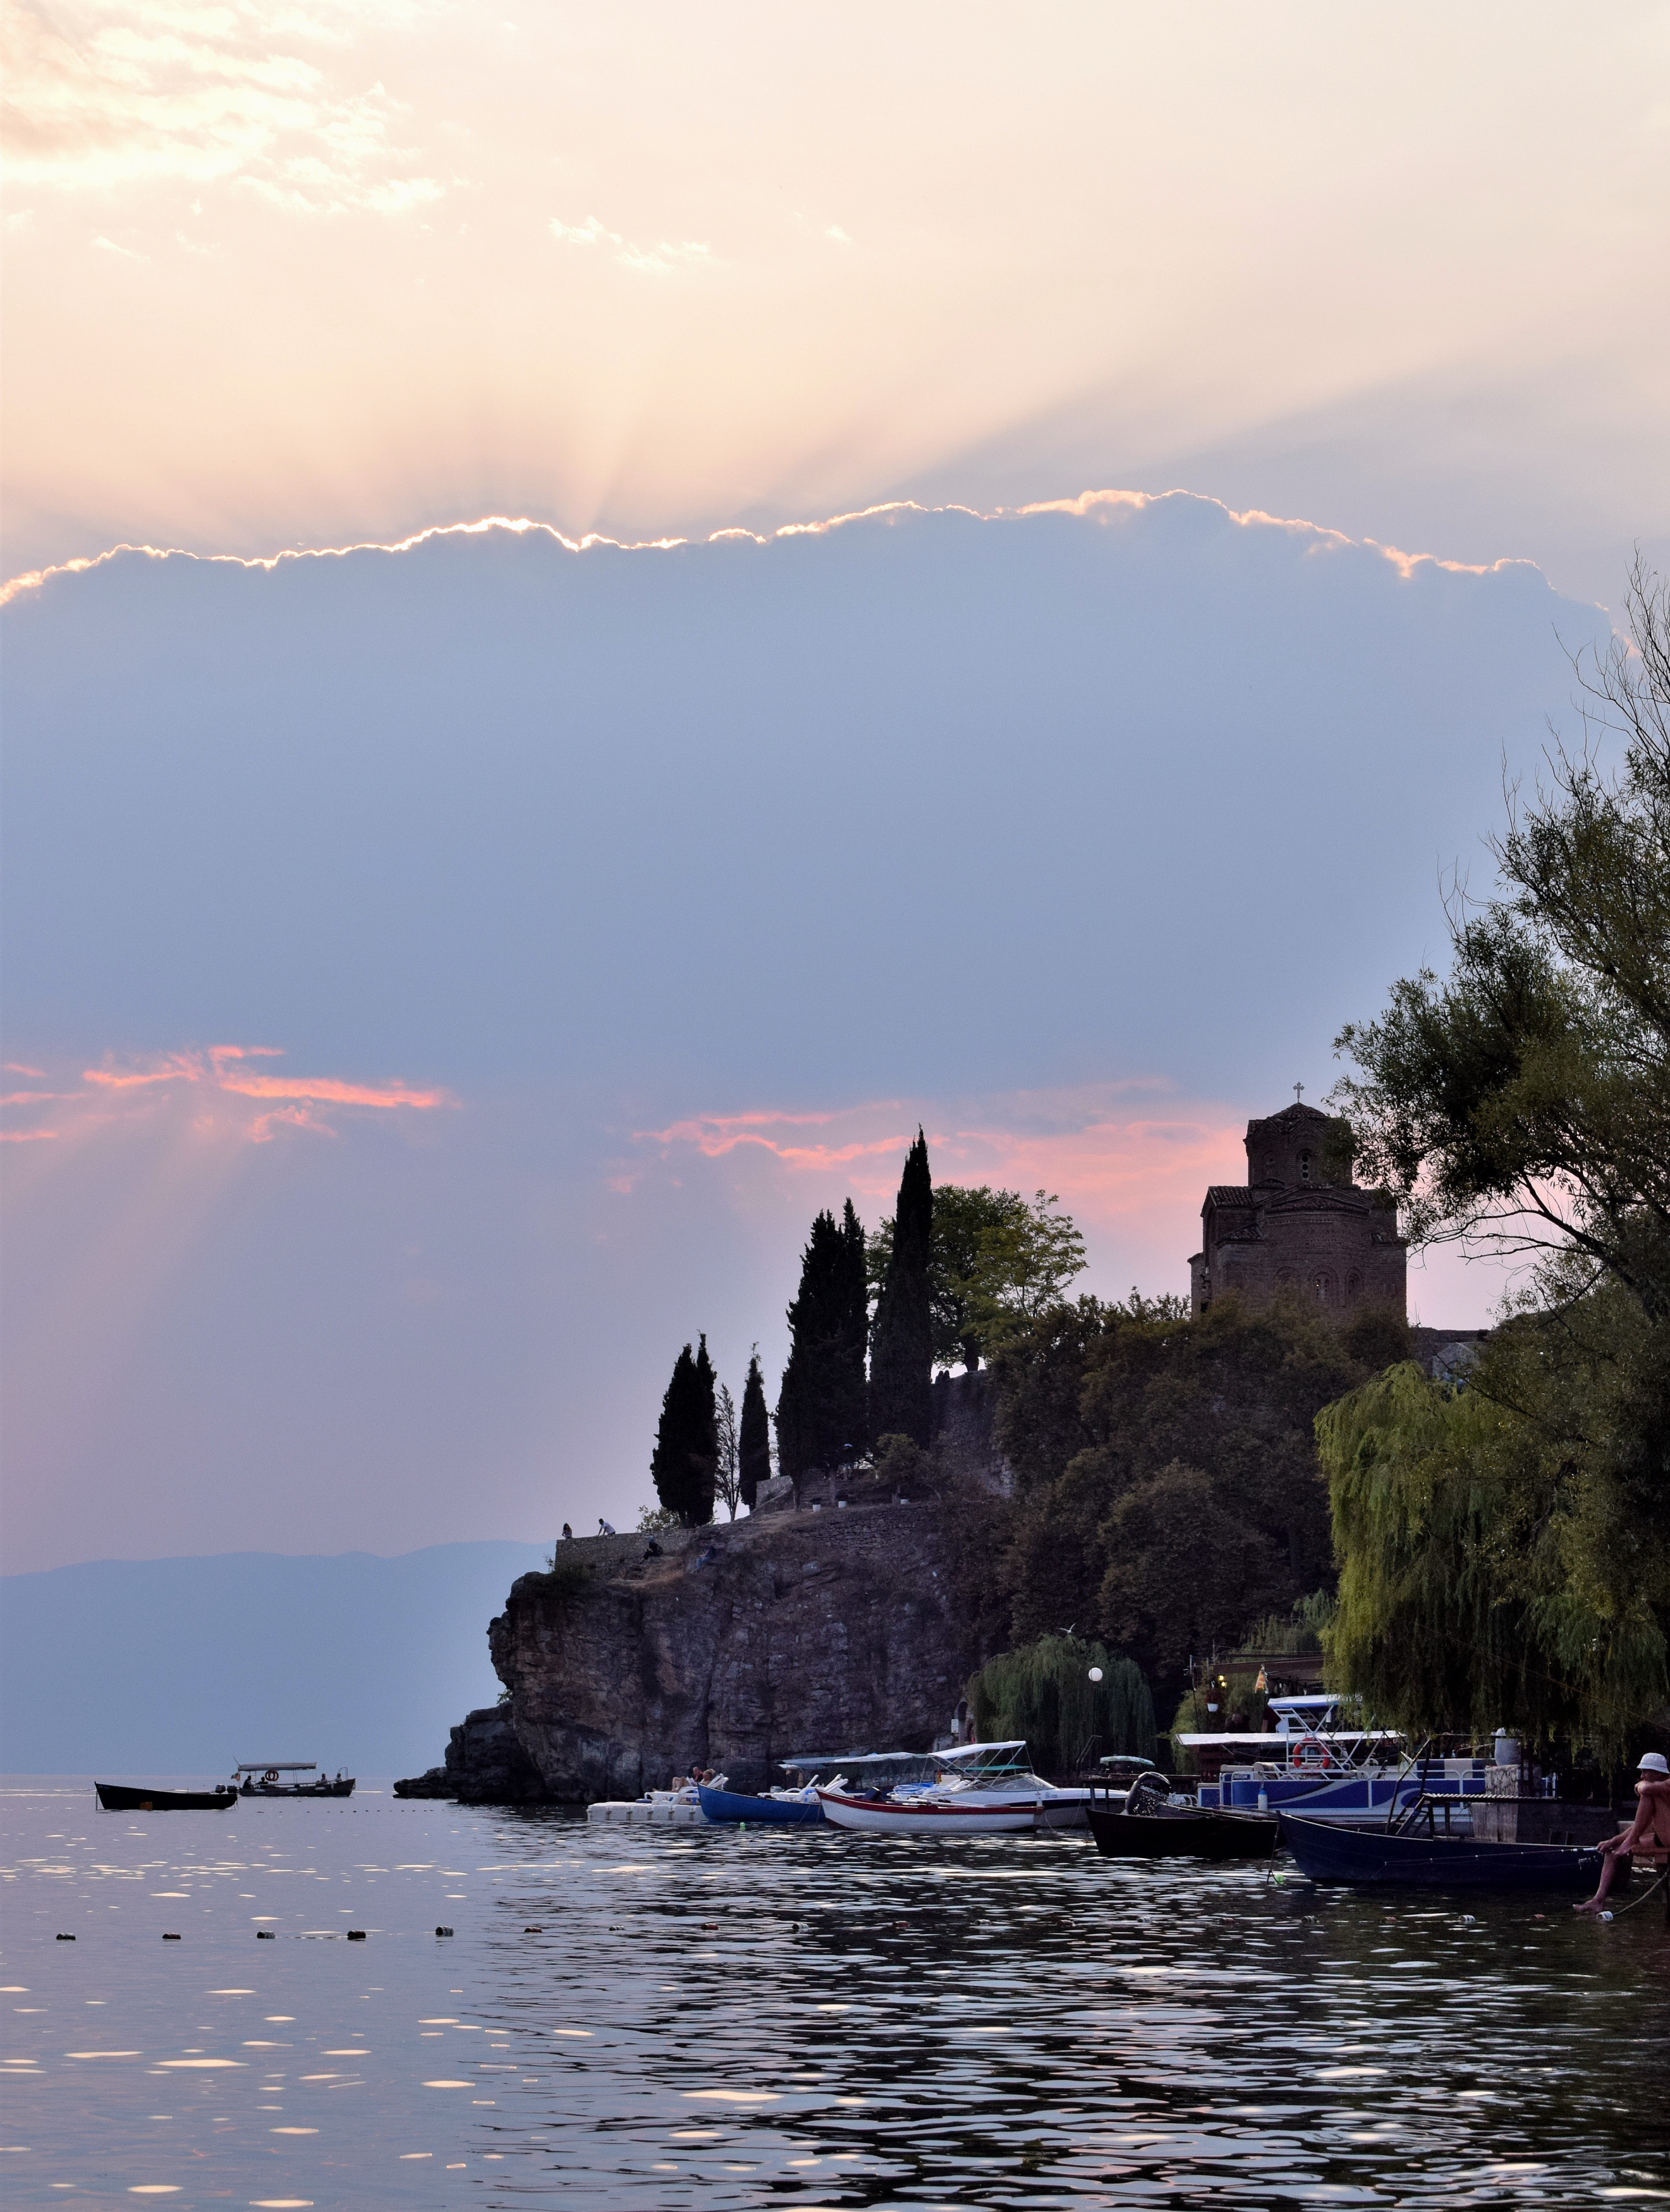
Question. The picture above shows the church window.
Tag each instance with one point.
(1322, 1286)
(1353, 1288)
(1304, 1167)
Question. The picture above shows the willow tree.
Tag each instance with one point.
(1468, 1596)
(1045, 1694)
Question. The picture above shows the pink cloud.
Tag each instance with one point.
(25, 1136)
(1130, 1160)
(222, 1074)
(16, 1067)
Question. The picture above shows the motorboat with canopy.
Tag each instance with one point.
(799, 1805)
(978, 1789)
(1347, 1777)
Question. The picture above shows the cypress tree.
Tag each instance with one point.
(853, 1383)
(686, 1455)
(901, 1350)
(820, 1407)
(754, 1442)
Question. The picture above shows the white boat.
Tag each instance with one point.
(981, 1789)
(656, 1808)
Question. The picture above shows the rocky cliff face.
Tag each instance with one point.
(485, 1764)
(831, 1623)
(830, 1629)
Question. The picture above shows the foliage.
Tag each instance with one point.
(1524, 1102)
(655, 1520)
(900, 1460)
(564, 1577)
(754, 1435)
(1493, 1571)
(727, 1474)
(822, 1409)
(1300, 1628)
(1022, 1265)
(1043, 1693)
(1167, 1490)
(901, 1345)
(686, 1456)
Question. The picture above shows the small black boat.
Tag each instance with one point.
(128, 1797)
(1430, 1861)
(1177, 1834)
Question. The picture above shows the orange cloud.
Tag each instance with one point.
(222, 1070)
(1127, 1158)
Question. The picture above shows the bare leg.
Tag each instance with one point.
(1610, 1862)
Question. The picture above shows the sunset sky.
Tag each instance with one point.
(439, 980)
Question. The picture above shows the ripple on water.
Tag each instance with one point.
(738, 2019)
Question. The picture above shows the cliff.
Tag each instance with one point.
(814, 1631)
(831, 1624)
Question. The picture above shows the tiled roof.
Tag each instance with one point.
(1229, 1194)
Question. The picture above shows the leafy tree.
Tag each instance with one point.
(901, 1350)
(1022, 1265)
(986, 1252)
(1492, 1567)
(1168, 1487)
(1523, 1104)
(1044, 1693)
(727, 1480)
(821, 1406)
(685, 1460)
(754, 1436)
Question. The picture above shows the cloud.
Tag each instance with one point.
(1130, 1154)
(660, 260)
(114, 1089)
(115, 95)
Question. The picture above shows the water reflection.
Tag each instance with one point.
(739, 2019)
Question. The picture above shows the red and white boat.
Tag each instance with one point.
(981, 1789)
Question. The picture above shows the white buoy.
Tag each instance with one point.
(1096, 1674)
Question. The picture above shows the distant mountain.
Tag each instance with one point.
(172, 1665)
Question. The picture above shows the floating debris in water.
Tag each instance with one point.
(443, 1931)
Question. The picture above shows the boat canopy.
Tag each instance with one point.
(1282, 1740)
(987, 1758)
(865, 1761)
(275, 1766)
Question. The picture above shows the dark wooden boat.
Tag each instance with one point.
(1218, 1837)
(128, 1797)
(1428, 1860)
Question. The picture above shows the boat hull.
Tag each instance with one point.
(125, 1797)
(1331, 1854)
(342, 1789)
(875, 1817)
(1218, 1837)
(726, 1807)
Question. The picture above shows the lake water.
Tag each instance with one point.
(787, 2017)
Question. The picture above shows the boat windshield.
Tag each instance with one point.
(986, 1763)
(870, 1769)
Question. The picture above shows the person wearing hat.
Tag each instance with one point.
(1648, 1833)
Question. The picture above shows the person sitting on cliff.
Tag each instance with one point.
(567, 1534)
(651, 1550)
(604, 1528)
(1648, 1833)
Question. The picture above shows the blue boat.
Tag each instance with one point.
(1430, 1860)
(727, 1806)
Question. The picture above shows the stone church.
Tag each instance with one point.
(1289, 1227)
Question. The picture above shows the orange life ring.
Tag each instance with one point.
(1311, 1751)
